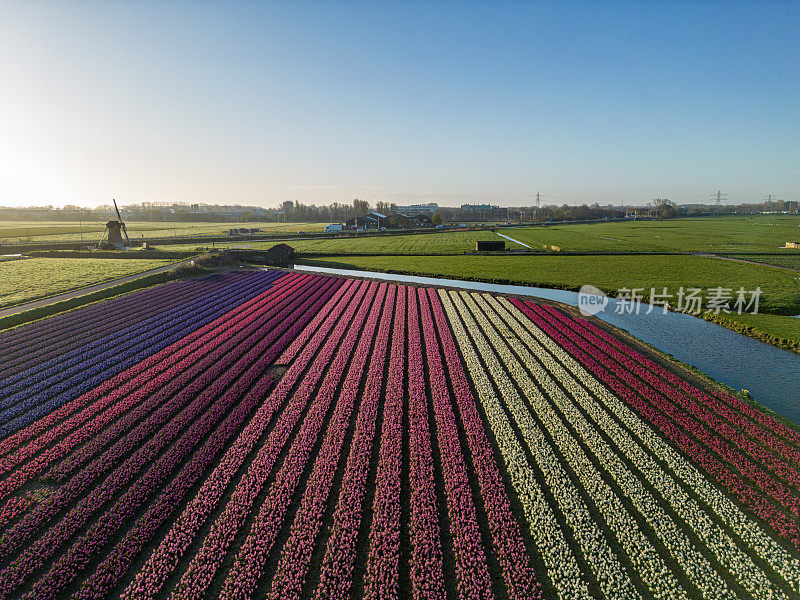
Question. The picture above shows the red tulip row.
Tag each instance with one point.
(337, 564)
(330, 362)
(293, 565)
(163, 561)
(729, 435)
(113, 568)
(658, 413)
(472, 573)
(125, 400)
(757, 423)
(382, 572)
(427, 579)
(511, 553)
(120, 384)
(209, 389)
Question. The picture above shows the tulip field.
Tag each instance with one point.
(286, 435)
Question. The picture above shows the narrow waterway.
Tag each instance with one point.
(770, 374)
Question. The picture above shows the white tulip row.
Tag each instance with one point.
(562, 567)
(611, 575)
(750, 532)
(732, 557)
(654, 572)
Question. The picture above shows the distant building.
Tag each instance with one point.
(792, 244)
(483, 212)
(402, 220)
(280, 255)
(373, 220)
(418, 209)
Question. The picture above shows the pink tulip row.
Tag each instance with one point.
(122, 400)
(756, 423)
(17, 506)
(293, 565)
(54, 538)
(113, 568)
(338, 562)
(703, 431)
(151, 578)
(119, 385)
(472, 573)
(333, 356)
(382, 571)
(250, 560)
(234, 343)
(608, 373)
(427, 577)
(512, 555)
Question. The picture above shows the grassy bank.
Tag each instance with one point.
(34, 278)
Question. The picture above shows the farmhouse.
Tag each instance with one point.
(373, 220)
(405, 220)
(280, 255)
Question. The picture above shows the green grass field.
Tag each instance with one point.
(12, 232)
(718, 234)
(781, 289)
(456, 242)
(33, 278)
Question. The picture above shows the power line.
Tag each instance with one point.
(719, 196)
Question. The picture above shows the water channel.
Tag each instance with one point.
(770, 374)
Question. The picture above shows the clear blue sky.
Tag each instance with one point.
(257, 103)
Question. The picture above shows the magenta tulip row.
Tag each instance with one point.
(730, 439)
(121, 384)
(660, 413)
(336, 573)
(163, 561)
(214, 547)
(248, 565)
(203, 391)
(287, 584)
(509, 547)
(137, 398)
(90, 371)
(472, 573)
(382, 577)
(427, 579)
(756, 423)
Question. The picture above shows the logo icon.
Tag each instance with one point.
(591, 300)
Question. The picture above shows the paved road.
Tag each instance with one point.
(85, 290)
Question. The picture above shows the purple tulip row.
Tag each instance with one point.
(382, 578)
(214, 547)
(58, 423)
(427, 579)
(249, 563)
(169, 399)
(756, 423)
(195, 421)
(37, 343)
(472, 572)
(235, 344)
(660, 414)
(708, 420)
(95, 350)
(164, 559)
(510, 549)
(338, 561)
(287, 583)
(34, 403)
(115, 565)
(137, 398)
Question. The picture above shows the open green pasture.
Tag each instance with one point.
(34, 278)
(780, 289)
(447, 242)
(713, 234)
(92, 231)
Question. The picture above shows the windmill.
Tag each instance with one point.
(113, 229)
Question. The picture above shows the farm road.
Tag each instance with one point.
(12, 310)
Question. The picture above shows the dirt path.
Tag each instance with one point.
(748, 262)
(12, 310)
